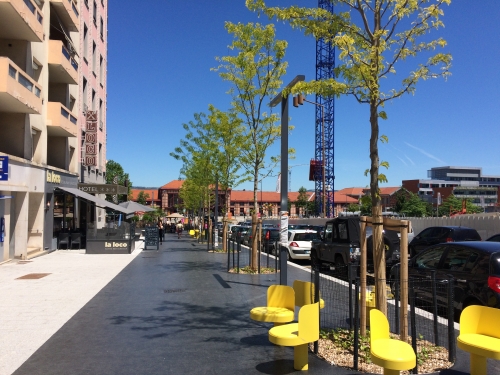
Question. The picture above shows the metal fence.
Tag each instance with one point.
(239, 256)
(431, 312)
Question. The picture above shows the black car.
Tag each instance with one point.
(474, 265)
(434, 235)
(494, 238)
(269, 240)
(340, 244)
(238, 232)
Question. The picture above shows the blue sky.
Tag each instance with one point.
(159, 60)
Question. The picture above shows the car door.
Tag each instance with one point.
(426, 238)
(457, 262)
(326, 251)
(420, 271)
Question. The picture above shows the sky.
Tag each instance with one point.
(160, 55)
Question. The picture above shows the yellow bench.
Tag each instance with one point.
(393, 355)
(480, 336)
(280, 306)
(299, 335)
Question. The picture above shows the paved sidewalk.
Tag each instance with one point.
(172, 311)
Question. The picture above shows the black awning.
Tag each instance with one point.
(98, 201)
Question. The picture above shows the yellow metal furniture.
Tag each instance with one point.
(393, 355)
(299, 335)
(480, 336)
(280, 306)
(191, 232)
(304, 293)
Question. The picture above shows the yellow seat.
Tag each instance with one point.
(191, 232)
(393, 355)
(299, 335)
(480, 336)
(280, 306)
(304, 293)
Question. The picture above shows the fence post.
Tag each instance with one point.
(316, 300)
(451, 326)
(350, 280)
(413, 324)
(228, 254)
(238, 250)
(396, 304)
(434, 307)
(356, 325)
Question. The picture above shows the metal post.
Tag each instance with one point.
(284, 168)
(413, 324)
(434, 307)
(451, 327)
(356, 325)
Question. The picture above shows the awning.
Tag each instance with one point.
(98, 201)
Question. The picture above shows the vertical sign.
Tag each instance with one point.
(4, 168)
(91, 138)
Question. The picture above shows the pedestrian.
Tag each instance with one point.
(160, 231)
(179, 230)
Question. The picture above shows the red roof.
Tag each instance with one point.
(175, 184)
(340, 198)
(152, 193)
(353, 191)
(384, 190)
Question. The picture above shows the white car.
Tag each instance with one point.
(299, 243)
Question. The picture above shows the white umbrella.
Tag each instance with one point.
(136, 207)
(174, 216)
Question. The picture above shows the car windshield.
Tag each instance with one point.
(305, 236)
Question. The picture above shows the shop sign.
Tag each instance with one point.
(53, 177)
(115, 245)
(90, 146)
(4, 168)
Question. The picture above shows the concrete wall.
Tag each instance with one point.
(486, 224)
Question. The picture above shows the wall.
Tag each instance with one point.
(486, 224)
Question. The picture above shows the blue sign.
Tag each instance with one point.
(4, 168)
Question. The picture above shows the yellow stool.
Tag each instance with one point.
(280, 306)
(392, 355)
(299, 335)
(480, 336)
(191, 232)
(304, 294)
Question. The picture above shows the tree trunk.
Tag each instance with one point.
(377, 221)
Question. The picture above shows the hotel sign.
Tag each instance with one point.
(103, 189)
(90, 145)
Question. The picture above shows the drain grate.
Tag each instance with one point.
(174, 290)
(33, 276)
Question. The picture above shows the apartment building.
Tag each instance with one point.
(52, 68)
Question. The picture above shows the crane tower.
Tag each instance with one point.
(324, 124)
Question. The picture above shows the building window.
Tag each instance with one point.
(84, 95)
(93, 100)
(95, 14)
(94, 65)
(85, 41)
(102, 29)
(100, 69)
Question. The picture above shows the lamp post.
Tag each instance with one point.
(280, 98)
(299, 99)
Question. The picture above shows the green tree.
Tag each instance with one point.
(302, 198)
(255, 73)
(413, 206)
(142, 197)
(452, 205)
(385, 33)
(114, 169)
(353, 207)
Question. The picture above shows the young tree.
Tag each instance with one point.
(386, 32)
(255, 73)
(114, 169)
(302, 199)
(142, 197)
(452, 205)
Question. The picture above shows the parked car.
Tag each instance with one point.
(434, 235)
(238, 232)
(474, 265)
(341, 244)
(270, 236)
(494, 238)
(300, 242)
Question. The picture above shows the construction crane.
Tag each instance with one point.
(290, 175)
(324, 135)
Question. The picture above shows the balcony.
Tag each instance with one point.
(62, 67)
(67, 11)
(21, 19)
(19, 93)
(60, 121)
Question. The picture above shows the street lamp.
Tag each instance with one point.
(300, 99)
(284, 173)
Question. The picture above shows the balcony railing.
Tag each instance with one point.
(60, 121)
(63, 68)
(19, 93)
(24, 20)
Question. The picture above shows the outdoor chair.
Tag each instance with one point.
(63, 240)
(76, 239)
(280, 306)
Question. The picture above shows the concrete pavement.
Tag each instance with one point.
(172, 311)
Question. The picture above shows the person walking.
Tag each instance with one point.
(179, 230)
(160, 231)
